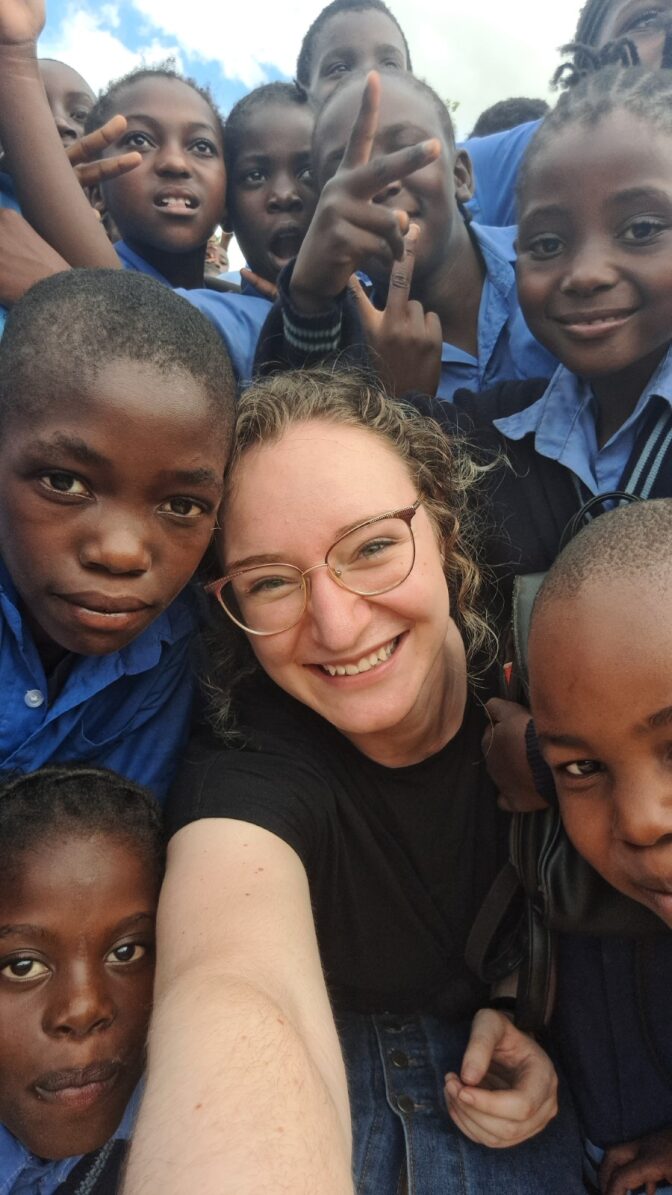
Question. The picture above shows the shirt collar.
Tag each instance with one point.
(18, 1164)
(497, 247)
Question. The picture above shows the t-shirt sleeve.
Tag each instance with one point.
(266, 790)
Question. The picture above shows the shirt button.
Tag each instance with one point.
(399, 1059)
(405, 1104)
(34, 699)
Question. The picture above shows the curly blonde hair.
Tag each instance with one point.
(444, 473)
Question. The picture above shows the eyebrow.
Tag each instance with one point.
(72, 446)
(275, 558)
(193, 127)
(34, 931)
(200, 476)
(563, 740)
(661, 718)
(638, 194)
(133, 920)
(653, 722)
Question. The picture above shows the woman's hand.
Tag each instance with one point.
(84, 155)
(348, 228)
(635, 1164)
(405, 341)
(506, 756)
(21, 21)
(506, 1091)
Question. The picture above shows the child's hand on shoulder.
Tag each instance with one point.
(348, 227)
(506, 1091)
(21, 21)
(405, 340)
(636, 1164)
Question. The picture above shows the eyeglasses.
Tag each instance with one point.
(371, 558)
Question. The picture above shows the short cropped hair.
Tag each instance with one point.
(645, 94)
(628, 543)
(68, 326)
(80, 801)
(508, 114)
(304, 65)
(106, 105)
(268, 94)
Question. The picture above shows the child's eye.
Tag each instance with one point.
(305, 175)
(644, 20)
(80, 115)
(337, 68)
(643, 230)
(138, 141)
(545, 246)
(580, 768)
(183, 508)
(128, 952)
(204, 147)
(253, 177)
(21, 970)
(59, 482)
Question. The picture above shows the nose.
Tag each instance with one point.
(66, 129)
(338, 617)
(284, 195)
(117, 546)
(173, 159)
(589, 270)
(80, 1003)
(643, 811)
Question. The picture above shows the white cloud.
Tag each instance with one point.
(83, 41)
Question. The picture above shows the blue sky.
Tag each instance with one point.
(474, 54)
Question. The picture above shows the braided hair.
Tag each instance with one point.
(587, 53)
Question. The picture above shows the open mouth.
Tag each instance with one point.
(286, 242)
(366, 664)
(176, 201)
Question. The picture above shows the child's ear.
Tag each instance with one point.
(463, 173)
(96, 200)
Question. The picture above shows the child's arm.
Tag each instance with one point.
(25, 257)
(506, 1091)
(642, 1163)
(506, 758)
(49, 193)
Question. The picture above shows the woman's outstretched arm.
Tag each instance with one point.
(246, 1092)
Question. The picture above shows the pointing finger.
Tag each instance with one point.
(360, 142)
(370, 179)
(90, 147)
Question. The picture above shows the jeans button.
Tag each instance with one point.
(399, 1059)
(405, 1104)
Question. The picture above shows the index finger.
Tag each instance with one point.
(373, 177)
(402, 274)
(91, 145)
(92, 173)
(360, 141)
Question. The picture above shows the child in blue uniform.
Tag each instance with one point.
(82, 861)
(602, 712)
(116, 409)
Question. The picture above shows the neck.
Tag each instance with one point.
(618, 395)
(186, 270)
(453, 290)
(435, 719)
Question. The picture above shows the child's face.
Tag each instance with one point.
(601, 687)
(76, 971)
(354, 42)
(107, 504)
(595, 248)
(70, 99)
(175, 198)
(429, 196)
(643, 22)
(271, 193)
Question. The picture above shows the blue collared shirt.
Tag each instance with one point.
(237, 317)
(128, 710)
(497, 160)
(564, 424)
(21, 1173)
(506, 348)
(7, 199)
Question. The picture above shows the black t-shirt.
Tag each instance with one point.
(398, 859)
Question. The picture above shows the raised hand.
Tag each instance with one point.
(638, 1164)
(348, 227)
(21, 21)
(84, 155)
(405, 341)
(506, 1091)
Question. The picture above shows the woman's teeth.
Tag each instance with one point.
(365, 664)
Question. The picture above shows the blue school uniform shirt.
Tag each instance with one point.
(237, 317)
(7, 199)
(22, 1173)
(497, 160)
(128, 710)
(563, 422)
(506, 348)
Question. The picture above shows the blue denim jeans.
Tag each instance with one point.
(404, 1139)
